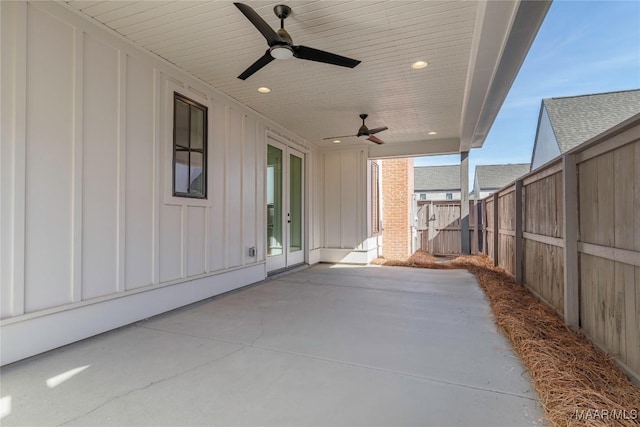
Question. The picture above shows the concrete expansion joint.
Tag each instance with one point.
(396, 372)
(252, 344)
(152, 383)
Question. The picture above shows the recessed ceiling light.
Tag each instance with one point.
(336, 141)
(433, 133)
(418, 65)
(264, 89)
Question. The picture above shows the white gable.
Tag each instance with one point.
(546, 145)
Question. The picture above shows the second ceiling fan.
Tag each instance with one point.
(365, 132)
(281, 45)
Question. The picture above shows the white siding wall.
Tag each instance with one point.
(546, 145)
(346, 236)
(88, 219)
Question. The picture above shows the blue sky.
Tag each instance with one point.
(582, 47)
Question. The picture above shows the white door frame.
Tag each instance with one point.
(286, 258)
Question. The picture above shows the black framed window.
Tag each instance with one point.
(189, 148)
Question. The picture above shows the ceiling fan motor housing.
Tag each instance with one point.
(282, 11)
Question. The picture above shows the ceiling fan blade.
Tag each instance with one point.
(375, 139)
(257, 21)
(261, 62)
(343, 136)
(376, 130)
(311, 54)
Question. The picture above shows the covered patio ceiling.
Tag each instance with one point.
(474, 50)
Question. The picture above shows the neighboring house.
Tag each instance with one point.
(437, 182)
(489, 178)
(569, 121)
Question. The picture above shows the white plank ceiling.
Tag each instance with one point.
(215, 42)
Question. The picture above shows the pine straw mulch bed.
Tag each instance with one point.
(576, 381)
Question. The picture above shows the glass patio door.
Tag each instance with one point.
(285, 206)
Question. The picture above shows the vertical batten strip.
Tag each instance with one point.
(518, 239)
(19, 160)
(341, 206)
(207, 231)
(570, 218)
(362, 186)
(257, 191)
(242, 189)
(183, 240)
(155, 198)
(78, 118)
(121, 171)
(225, 215)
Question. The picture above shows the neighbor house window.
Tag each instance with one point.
(423, 196)
(375, 198)
(449, 196)
(189, 148)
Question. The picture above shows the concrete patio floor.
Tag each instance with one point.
(330, 345)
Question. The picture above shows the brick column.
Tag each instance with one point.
(397, 189)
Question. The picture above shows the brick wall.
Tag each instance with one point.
(397, 188)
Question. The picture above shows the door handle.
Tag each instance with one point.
(289, 218)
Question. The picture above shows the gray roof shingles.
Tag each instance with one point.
(434, 178)
(576, 119)
(491, 177)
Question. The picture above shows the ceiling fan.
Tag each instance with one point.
(281, 45)
(365, 132)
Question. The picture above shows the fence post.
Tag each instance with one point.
(496, 229)
(570, 214)
(485, 225)
(518, 241)
(432, 224)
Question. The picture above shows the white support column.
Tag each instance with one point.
(464, 202)
(518, 233)
(570, 214)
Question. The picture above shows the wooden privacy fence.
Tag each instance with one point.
(570, 232)
(439, 227)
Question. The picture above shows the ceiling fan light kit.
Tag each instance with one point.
(281, 44)
(281, 52)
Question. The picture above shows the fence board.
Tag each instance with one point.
(439, 227)
(623, 198)
(632, 321)
(543, 206)
(544, 272)
(506, 239)
(609, 205)
(608, 249)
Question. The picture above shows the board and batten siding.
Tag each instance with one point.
(345, 195)
(89, 224)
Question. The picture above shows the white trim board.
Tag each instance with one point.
(64, 327)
